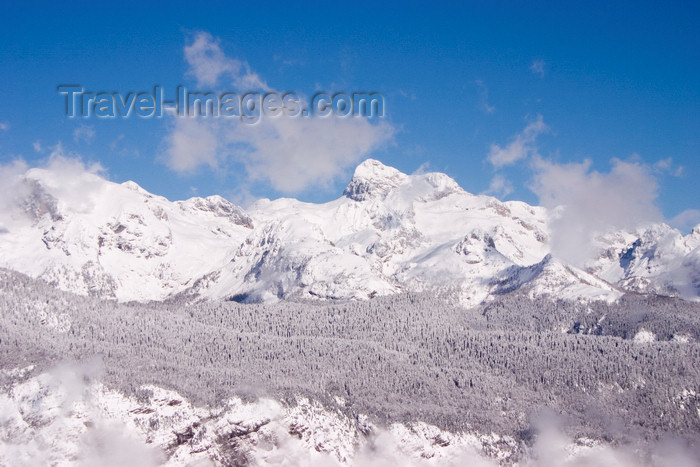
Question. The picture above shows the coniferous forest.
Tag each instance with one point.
(399, 358)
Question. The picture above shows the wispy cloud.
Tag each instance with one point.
(208, 63)
(667, 166)
(10, 174)
(68, 164)
(121, 146)
(4, 126)
(292, 154)
(402, 93)
(484, 98)
(538, 67)
(521, 146)
(192, 143)
(85, 133)
(288, 62)
(499, 187)
(686, 220)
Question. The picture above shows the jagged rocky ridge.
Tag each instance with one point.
(389, 233)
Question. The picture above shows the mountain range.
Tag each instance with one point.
(388, 233)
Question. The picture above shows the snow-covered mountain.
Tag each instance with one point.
(91, 236)
(389, 232)
(656, 259)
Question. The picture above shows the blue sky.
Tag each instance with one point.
(496, 95)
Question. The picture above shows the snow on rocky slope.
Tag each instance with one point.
(63, 418)
(91, 236)
(656, 259)
(389, 232)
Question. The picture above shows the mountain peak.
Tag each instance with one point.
(372, 168)
(373, 179)
(220, 207)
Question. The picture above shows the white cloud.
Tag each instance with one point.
(207, 63)
(71, 179)
(10, 189)
(84, 133)
(537, 67)
(296, 153)
(484, 98)
(499, 186)
(686, 220)
(424, 168)
(586, 202)
(521, 146)
(666, 166)
(68, 178)
(61, 159)
(38, 147)
(11, 170)
(291, 154)
(191, 143)
(4, 126)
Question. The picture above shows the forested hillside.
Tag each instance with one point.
(401, 358)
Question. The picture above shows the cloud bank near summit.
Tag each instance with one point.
(291, 154)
